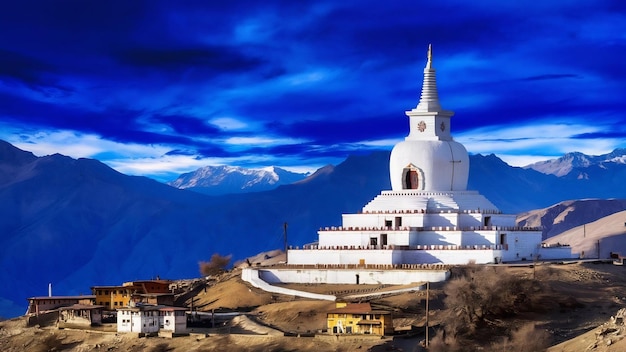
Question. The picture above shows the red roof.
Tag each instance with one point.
(40, 298)
(369, 322)
(81, 306)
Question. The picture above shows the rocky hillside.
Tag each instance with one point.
(569, 214)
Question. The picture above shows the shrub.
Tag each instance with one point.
(162, 347)
(481, 293)
(443, 343)
(216, 265)
(525, 339)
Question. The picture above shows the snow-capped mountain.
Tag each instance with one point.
(576, 163)
(217, 180)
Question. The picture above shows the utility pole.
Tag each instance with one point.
(285, 237)
(427, 298)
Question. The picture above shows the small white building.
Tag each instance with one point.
(173, 319)
(429, 216)
(151, 318)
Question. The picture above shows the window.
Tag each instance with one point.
(373, 241)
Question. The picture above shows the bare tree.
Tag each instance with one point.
(216, 265)
(480, 294)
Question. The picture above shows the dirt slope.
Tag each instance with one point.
(578, 299)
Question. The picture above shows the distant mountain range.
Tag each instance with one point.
(78, 223)
(515, 189)
(217, 180)
(575, 164)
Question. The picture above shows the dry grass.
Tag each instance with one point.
(576, 299)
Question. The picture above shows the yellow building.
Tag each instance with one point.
(113, 297)
(358, 318)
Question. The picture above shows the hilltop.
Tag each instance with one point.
(576, 299)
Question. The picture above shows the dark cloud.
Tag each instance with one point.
(617, 134)
(217, 59)
(215, 151)
(301, 151)
(185, 125)
(113, 124)
(181, 152)
(549, 76)
(334, 74)
(18, 67)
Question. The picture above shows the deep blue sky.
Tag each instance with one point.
(158, 88)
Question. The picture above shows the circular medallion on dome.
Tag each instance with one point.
(443, 126)
(421, 126)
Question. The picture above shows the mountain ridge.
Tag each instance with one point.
(224, 179)
(574, 162)
(77, 222)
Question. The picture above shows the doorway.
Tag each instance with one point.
(411, 180)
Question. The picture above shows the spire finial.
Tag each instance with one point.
(429, 100)
(429, 64)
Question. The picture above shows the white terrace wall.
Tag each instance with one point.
(337, 256)
(564, 252)
(394, 257)
(452, 257)
(347, 276)
(523, 245)
(252, 276)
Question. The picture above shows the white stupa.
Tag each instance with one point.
(429, 216)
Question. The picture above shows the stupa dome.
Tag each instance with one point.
(429, 159)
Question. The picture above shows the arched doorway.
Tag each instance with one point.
(411, 178)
